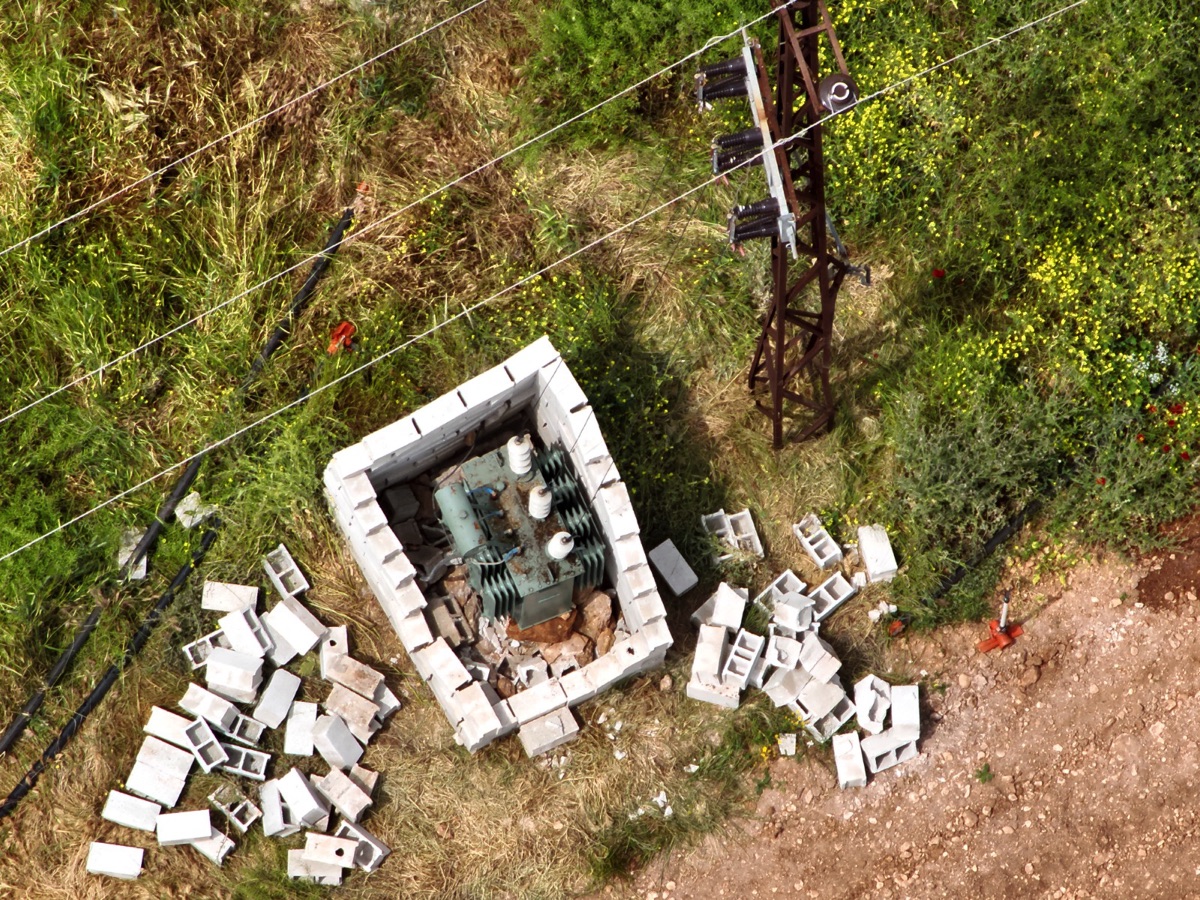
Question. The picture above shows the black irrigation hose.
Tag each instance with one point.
(167, 511)
(104, 685)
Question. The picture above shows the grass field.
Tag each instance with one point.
(1051, 180)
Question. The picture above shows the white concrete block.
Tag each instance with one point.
(876, 553)
(365, 779)
(745, 535)
(333, 740)
(169, 726)
(386, 701)
(335, 643)
(204, 745)
(578, 686)
(782, 652)
(178, 828)
(198, 650)
(235, 806)
(728, 608)
(298, 737)
(277, 698)
(906, 712)
(719, 695)
(244, 729)
(233, 675)
(358, 489)
(370, 852)
(743, 654)
(343, 794)
(285, 575)
(872, 699)
(114, 860)
(438, 661)
(552, 730)
(758, 673)
(848, 756)
(355, 710)
(355, 675)
(785, 583)
(246, 762)
(711, 647)
(220, 596)
(673, 568)
(130, 811)
(245, 632)
(303, 869)
(827, 726)
(488, 390)
(216, 710)
(819, 698)
(281, 652)
(658, 636)
(216, 846)
(831, 594)
(153, 784)
(884, 750)
(817, 542)
(785, 685)
(169, 760)
(480, 724)
(817, 658)
(296, 625)
(334, 851)
(390, 440)
(277, 819)
(304, 803)
(535, 360)
(535, 702)
(614, 509)
(350, 461)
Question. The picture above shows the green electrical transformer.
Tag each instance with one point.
(520, 521)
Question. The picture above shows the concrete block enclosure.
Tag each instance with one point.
(369, 489)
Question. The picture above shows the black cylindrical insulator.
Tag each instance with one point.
(719, 90)
(735, 66)
(768, 206)
(725, 161)
(748, 138)
(756, 228)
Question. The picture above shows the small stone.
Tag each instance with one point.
(1007, 829)
(665, 685)
(964, 681)
(1028, 868)
(1114, 602)
(1030, 676)
(970, 820)
(1169, 596)
(670, 885)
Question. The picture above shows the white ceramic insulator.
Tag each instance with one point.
(520, 454)
(560, 545)
(540, 500)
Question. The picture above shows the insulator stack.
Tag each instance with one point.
(727, 160)
(734, 66)
(721, 90)
(768, 206)
(751, 137)
(755, 228)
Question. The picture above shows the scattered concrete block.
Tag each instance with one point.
(220, 596)
(334, 741)
(204, 745)
(281, 652)
(479, 724)
(745, 535)
(335, 643)
(818, 698)
(344, 794)
(154, 784)
(876, 553)
(785, 685)
(370, 853)
(298, 737)
(303, 869)
(296, 625)
(872, 699)
(365, 779)
(718, 525)
(233, 675)
(673, 568)
(243, 729)
(305, 805)
(178, 828)
(906, 712)
(168, 726)
(827, 726)
(543, 734)
(357, 676)
(285, 574)
(246, 762)
(719, 694)
(728, 608)
(782, 652)
(785, 583)
(197, 651)
(114, 860)
(848, 757)
(711, 646)
(355, 710)
(793, 613)
(278, 819)
(859, 580)
(884, 750)
(747, 647)
(758, 673)
(334, 851)
(386, 702)
(236, 807)
(818, 658)
(245, 632)
(277, 699)
(191, 511)
(216, 846)
(816, 541)
(831, 594)
(216, 710)
(167, 759)
(130, 811)
(130, 538)
(786, 743)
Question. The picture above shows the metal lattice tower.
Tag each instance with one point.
(792, 358)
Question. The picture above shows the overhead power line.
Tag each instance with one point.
(468, 310)
(92, 207)
(382, 221)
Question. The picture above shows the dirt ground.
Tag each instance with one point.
(1089, 726)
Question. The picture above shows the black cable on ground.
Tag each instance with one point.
(166, 512)
(104, 685)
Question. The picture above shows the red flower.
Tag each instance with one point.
(1102, 481)
(1176, 410)
(1166, 448)
(1141, 438)
(1170, 423)
(939, 273)
(1151, 409)
(1185, 456)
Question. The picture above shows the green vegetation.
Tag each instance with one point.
(1029, 213)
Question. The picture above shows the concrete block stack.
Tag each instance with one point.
(534, 385)
(219, 737)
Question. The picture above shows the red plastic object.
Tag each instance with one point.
(896, 627)
(1001, 637)
(341, 338)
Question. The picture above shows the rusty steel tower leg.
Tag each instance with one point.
(789, 374)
